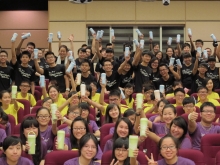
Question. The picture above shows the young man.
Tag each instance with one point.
(202, 93)
(167, 79)
(86, 77)
(6, 71)
(54, 72)
(199, 77)
(199, 129)
(25, 87)
(188, 69)
(142, 71)
(179, 95)
(22, 71)
(213, 72)
(189, 105)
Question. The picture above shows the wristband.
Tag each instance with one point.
(67, 89)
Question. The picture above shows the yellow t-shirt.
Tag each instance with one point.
(12, 111)
(29, 97)
(213, 95)
(123, 108)
(172, 95)
(215, 102)
(176, 105)
(148, 107)
(59, 103)
(96, 97)
(130, 105)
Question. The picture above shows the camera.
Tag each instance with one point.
(80, 1)
(166, 2)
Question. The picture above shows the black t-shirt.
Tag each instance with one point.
(214, 75)
(37, 78)
(143, 74)
(78, 70)
(167, 84)
(127, 78)
(23, 73)
(187, 75)
(6, 76)
(156, 75)
(112, 82)
(57, 73)
(86, 80)
(197, 82)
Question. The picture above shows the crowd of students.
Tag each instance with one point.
(192, 86)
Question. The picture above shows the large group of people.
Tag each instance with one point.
(112, 90)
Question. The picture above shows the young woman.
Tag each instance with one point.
(120, 153)
(28, 125)
(12, 149)
(155, 47)
(169, 55)
(4, 122)
(88, 148)
(178, 129)
(62, 57)
(154, 64)
(210, 86)
(160, 105)
(95, 95)
(113, 113)
(47, 132)
(85, 110)
(149, 99)
(54, 95)
(123, 128)
(129, 89)
(9, 105)
(168, 147)
(176, 84)
(159, 56)
(46, 102)
(168, 114)
(79, 127)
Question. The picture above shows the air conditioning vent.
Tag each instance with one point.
(80, 1)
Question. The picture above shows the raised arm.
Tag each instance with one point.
(191, 43)
(73, 84)
(120, 69)
(102, 94)
(32, 87)
(137, 56)
(97, 105)
(192, 122)
(175, 74)
(195, 68)
(18, 49)
(14, 57)
(38, 69)
(97, 49)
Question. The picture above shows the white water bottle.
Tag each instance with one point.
(26, 36)
(50, 38)
(142, 44)
(179, 63)
(171, 61)
(92, 31)
(136, 42)
(14, 37)
(103, 77)
(138, 32)
(59, 35)
(151, 35)
(169, 42)
(189, 31)
(35, 53)
(205, 54)
(70, 67)
(112, 31)
(213, 37)
(101, 33)
(127, 51)
(178, 38)
(98, 35)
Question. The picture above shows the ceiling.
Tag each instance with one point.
(43, 4)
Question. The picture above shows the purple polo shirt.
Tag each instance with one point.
(181, 161)
(112, 130)
(152, 118)
(21, 161)
(68, 143)
(2, 135)
(93, 125)
(186, 143)
(75, 161)
(67, 130)
(48, 137)
(200, 132)
(160, 128)
(108, 145)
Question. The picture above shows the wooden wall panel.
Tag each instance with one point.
(66, 11)
(66, 28)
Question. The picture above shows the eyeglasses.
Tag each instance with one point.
(79, 129)
(25, 86)
(3, 56)
(123, 150)
(74, 113)
(43, 117)
(208, 111)
(88, 147)
(166, 148)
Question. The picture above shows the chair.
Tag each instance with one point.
(107, 158)
(39, 89)
(148, 115)
(217, 90)
(39, 103)
(92, 111)
(59, 157)
(134, 95)
(194, 95)
(195, 155)
(105, 139)
(34, 109)
(62, 126)
(179, 110)
(27, 105)
(17, 130)
(91, 117)
(37, 95)
(20, 115)
(106, 96)
(218, 158)
(210, 145)
(172, 100)
(105, 131)
(12, 121)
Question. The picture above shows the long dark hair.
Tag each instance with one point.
(205, 82)
(2, 93)
(27, 123)
(129, 85)
(73, 140)
(10, 141)
(85, 106)
(121, 143)
(180, 122)
(130, 128)
(108, 118)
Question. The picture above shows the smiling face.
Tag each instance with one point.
(43, 117)
(122, 129)
(129, 91)
(73, 114)
(62, 52)
(155, 64)
(3, 57)
(168, 115)
(121, 154)
(168, 149)
(202, 94)
(89, 150)
(79, 129)
(114, 112)
(160, 108)
(209, 85)
(6, 99)
(176, 131)
(169, 52)
(30, 129)
(13, 153)
(208, 114)
(53, 93)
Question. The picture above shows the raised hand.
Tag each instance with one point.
(112, 163)
(151, 160)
